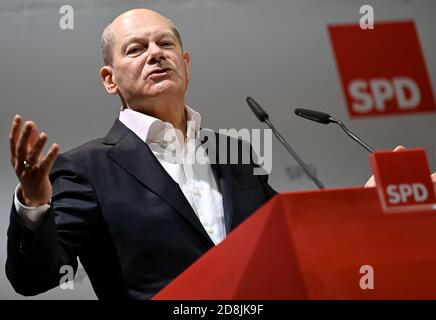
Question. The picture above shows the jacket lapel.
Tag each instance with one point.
(138, 160)
(224, 179)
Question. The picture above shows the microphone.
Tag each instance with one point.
(325, 118)
(260, 113)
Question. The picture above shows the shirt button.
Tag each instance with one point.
(210, 230)
(197, 193)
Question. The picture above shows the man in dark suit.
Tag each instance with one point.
(135, 215)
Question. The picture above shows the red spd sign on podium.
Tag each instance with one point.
(403, 180)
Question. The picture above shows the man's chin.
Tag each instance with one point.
(162, 88)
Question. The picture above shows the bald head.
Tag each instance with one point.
(109, 36)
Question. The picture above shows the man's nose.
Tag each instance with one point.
(155, 53)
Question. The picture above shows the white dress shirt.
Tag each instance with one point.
(177, 157)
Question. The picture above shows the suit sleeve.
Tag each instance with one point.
(269, 191)
(261, 172)
(35, 257)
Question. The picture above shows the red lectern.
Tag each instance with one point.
(312, 245)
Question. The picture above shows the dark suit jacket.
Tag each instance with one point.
(117, 209)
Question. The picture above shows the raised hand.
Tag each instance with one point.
(31, 168)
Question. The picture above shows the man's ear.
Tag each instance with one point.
(107, 77)
(187, 58)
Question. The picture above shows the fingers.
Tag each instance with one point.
(13, 136)
(33, 138)
(433, 177)
(370, 183)
(399, 148)
(22, 145)
(49, 159)
(26, 144)
(35, 152)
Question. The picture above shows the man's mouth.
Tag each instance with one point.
(158, 72)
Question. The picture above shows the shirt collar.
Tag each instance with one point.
(153, 130)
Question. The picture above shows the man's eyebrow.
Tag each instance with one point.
(129, 40)
(167, 33)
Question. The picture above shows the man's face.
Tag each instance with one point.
(148, 62)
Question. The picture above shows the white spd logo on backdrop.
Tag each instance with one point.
(382, 70)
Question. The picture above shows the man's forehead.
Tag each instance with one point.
(139, 20)
(146, 31)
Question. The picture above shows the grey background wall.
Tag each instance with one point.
(278, 51)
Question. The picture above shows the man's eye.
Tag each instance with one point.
(166, 44)
(134, 50)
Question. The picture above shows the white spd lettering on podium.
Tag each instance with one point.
(401, 190)
(373, 94)
(403, 193)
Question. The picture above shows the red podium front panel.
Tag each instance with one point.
(312, 245)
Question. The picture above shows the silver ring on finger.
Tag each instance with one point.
(27, 166)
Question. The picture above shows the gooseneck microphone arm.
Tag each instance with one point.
(294, 154)
(325, 118)
(352, 135)
(260, 113)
